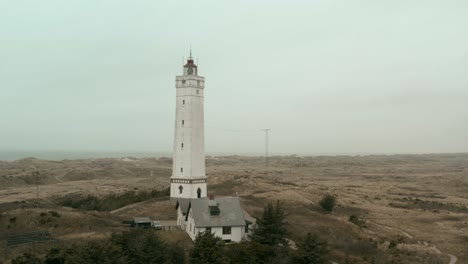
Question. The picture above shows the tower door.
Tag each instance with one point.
(198, 193)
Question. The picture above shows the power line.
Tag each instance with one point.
(235, 130)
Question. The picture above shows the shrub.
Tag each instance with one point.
(207, 249)
(54, 214)
(26, 258)
(357, 221)
(392, 244)
(311, 250)
(328, 202)
(111, 201)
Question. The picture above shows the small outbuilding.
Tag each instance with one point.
(143, 222)
(223, 217)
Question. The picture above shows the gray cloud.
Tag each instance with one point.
(326, 76)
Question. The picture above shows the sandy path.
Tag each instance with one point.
(453, 259)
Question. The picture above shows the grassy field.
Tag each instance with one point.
(415, 204)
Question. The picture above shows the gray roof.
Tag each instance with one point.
(141, 220)
(231, 213)
(184, 205)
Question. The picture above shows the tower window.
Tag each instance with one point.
(183, 122)
(183, 101)
(198, 92)
(198, 83)
(183, 81)
(182, 145)
(180, 189)
(181, 169)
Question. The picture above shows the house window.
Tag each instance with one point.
(226, 230)
(180, 189)
(181, 169)
(182, 145)
(208, 230)
(183, 81)
(198, 92)
(198, 83)
(183, 101)
(183, 122)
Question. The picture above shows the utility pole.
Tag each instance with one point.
(36, 173)
(266, 146)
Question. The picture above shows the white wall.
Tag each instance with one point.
(180, 218)
(237, 232)
(188, 191)
(189, 159)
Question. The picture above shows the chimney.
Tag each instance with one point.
(211, 196)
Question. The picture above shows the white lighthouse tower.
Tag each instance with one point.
(188, 178)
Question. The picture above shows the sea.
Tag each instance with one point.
(73, 155)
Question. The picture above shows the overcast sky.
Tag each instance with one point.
(326, 76)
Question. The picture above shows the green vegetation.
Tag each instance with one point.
(435, 206)
(357, 221)
(328, 202)
(311, 250)
(393, 244)
(26, 258)
(208, 249)
(111, 201)
(268, 244)
(135, 246)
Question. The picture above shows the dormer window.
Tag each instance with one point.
(213, 207)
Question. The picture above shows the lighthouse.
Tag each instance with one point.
(188, 178)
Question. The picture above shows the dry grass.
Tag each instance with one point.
(423, 198)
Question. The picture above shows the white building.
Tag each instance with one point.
(188, 172)
(195, 213)
(223, 217)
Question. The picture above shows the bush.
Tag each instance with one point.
(311, 250)
(357, 221)
(111, 201)
(208, 249)
(328, 202)
(26, 258)
(54, 214)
